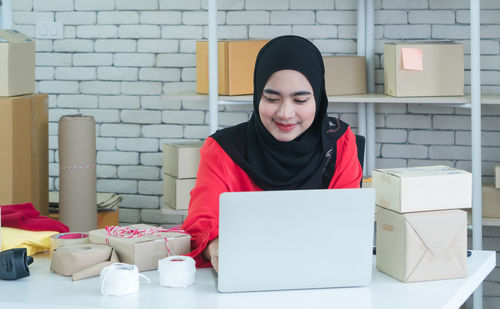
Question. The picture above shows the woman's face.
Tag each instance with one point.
(287, 106)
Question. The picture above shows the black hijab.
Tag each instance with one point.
(308, 161)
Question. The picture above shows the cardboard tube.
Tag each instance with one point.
(77, 172)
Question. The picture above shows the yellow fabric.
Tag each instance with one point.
(33, 241)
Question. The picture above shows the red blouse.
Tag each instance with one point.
(217, 173)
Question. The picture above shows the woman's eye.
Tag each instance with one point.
(271, 99)
(301, 100)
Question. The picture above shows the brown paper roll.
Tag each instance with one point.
(68, 260)
(77, 172)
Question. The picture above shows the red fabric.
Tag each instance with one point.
(26, 217)
(217, 173)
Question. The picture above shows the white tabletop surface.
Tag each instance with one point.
(43, 289)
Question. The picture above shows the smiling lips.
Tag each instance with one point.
(285, 126)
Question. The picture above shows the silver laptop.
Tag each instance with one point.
(278, 240)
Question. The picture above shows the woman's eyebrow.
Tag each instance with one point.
(297, 93)
(301, 93)
(271, 91)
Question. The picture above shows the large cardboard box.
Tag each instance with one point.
(17, 63)
(345, 75)
(497, 176)
(236, 61)
(491, 201)
(177, 191)
(424, 69)
(144, 251)
(181, 160)
(422, 188)
(24, 162)
(420, 246)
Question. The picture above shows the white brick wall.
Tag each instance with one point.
(120, 158)
(141, 31)
(94, 5)
(134, 59)
(75, 73)
(52, 5)
(297, 17)
(140, 201)
(107, 45)
(77, 101)
(76, 18)
(97, 32)
(53, 59)
(89, 59)
(117, 74)
(120, 130)
(136, 5)
(129, 102)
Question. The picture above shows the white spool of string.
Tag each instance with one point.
(120, 279)
(176, 271)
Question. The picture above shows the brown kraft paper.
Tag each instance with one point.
(71, 259)
(77, 173)
(95, 270)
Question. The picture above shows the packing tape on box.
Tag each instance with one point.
(176, 271)
(67, 239)
(120, 279)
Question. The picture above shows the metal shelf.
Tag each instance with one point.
(459, 101)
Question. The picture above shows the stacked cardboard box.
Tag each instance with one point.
(17, 60)
(491, 197)
(236, 61)
(23, 125)
(345, 75)
(180, 165)
(424, 69)
(421, 233)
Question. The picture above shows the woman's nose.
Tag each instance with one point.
(286, 109)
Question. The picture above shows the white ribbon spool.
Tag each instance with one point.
(176, 271)
(120, 279)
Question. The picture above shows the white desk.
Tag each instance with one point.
(44, 289)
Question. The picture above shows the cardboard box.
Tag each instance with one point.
(181, 160)
(177, 191)
(145, 251)
(17, 63)
(236, 61)
(422, 246)
(367, 182)
(491, 201)
(497, 176)
(345, 75)
(24, 162)
(422, 188)
(424, 69)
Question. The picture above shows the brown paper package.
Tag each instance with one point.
(96, 269)
(146, 251)
(71, 259)
(77, 173)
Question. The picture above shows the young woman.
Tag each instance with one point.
(288, 143)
